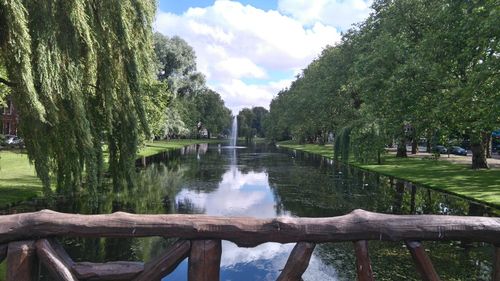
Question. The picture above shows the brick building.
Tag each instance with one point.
(9, 118)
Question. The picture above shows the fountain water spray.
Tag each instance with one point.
(234, 131)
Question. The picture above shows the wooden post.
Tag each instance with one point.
(165, 263)
(297, 262)
(3, 252)
(204, 260)
(21, 261)
(496, 265)
(422, 261)
(363, 264)
(58, 266)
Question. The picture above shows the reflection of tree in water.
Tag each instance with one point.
(204, 174)
(313, 187)
(392, 261)
(186, 206)
(154, 193)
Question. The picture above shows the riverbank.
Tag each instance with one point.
(455, 178)
(18, 180)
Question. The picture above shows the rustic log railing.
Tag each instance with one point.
(28, 239)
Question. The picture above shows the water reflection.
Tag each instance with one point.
(261, 181)
(237, 194)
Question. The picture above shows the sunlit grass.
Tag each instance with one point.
(459, 179)
(18, 180)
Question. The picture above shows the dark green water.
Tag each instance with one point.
(263, 181)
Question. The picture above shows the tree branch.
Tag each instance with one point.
(7, 82)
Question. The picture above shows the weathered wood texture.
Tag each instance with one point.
(297, 262)
(58, 266)
(110, 271)
(165, 263)
(358, 225)
(3, 252)
(422, 261)
(363, 263)
(496, 265)
(21, 261)
(204, 260)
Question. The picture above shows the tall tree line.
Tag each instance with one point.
(412, 69)
(193, 107)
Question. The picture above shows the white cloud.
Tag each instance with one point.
(235, 44)
(239, 94)
(339, 13)
(233, 199)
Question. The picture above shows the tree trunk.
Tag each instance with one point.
(414, 143)
(479, 148)
(429, 142)
(401, 152)
(490, 147)
(208, 134)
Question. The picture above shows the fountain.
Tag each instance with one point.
(234, 131)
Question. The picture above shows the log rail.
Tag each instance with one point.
(28, 239)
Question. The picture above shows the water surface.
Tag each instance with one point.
(263, 181)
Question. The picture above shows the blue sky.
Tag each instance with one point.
(251, 49)
(180, 6)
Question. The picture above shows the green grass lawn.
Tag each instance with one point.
(458, 179)
(18, 180)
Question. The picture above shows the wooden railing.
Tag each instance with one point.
(28, 238)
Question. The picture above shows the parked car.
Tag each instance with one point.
(14, 141)
(496, 148)
(440, 149)
(6, 139)
(457, 150)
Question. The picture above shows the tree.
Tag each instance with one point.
(259, 114)
(75, 71)
(462, 48)
(176, 62)
(214, 115)
(245, 118)
(157, 98)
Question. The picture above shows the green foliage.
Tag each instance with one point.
(342, 145)
(251, 122)
(156, 99)
(193, 106)
(77, 68)
(214, 115)
(431, 66)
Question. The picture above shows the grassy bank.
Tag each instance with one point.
(458, 179)
(152, 148)
(18, 180)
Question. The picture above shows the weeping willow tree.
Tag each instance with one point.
(365, 139)
(75, 70)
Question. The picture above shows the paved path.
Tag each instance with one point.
(492, 162)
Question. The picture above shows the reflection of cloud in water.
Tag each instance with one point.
(269, 259)
(238, 194)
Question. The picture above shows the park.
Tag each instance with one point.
(249, 140)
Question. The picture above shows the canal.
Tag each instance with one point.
(263, 181)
